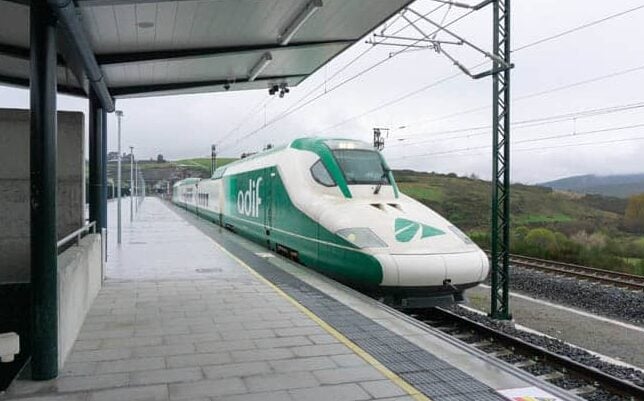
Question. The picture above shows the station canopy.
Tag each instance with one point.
(150, 48)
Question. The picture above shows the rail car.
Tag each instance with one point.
(333, 205)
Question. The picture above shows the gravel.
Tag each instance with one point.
(539, 369)
(559, 347)
(513, 358)
(603, 395)
(608, 301)
(569, 383)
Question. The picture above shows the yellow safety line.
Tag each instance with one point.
(408, 388)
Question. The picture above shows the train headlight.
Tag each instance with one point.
(460, 234)
(362, 237)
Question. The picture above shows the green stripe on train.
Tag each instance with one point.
(258, 206)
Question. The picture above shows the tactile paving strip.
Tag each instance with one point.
(433, 377)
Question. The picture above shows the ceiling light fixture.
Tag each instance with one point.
(291, 29)
(145, 24)
(260, 66)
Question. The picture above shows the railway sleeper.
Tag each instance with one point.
(502, 352)
(583, 389)
(551, 376)
(481, 344)
(523, 364)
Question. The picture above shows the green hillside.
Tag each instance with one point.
(621, 186)
(202, 163)
(466, 202)
(545, 223)
(155, 171)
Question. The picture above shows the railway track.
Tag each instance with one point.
(586, 381)
(617, 279)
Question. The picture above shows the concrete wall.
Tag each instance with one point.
(79, 280)
(14, 187)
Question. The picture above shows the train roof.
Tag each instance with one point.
(190, 180)
(317, 145)
(323, 148)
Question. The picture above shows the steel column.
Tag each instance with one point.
(119, 115)
(44, 269)
(97, 184)
(103, 169)
(94, 143)
(500, 277)
(131, 183)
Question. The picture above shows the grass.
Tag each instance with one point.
(633, 261)
(422, 191)
(539, 218)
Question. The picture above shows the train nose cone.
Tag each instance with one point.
(485, 266)
(466, 268)
(436, 269)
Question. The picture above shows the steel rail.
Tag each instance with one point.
(617, 385)
(591, 273)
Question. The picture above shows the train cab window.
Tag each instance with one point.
(321, 174)
(361, 166)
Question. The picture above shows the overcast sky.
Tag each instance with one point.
(420, 137)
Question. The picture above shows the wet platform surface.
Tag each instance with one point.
(178, 319)
(181, 318)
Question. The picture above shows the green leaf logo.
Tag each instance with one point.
(406, 230)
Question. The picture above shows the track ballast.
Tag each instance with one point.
(567, 367)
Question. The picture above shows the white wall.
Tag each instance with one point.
(79, 280)
(14, 187)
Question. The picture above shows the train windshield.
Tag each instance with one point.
(361, 166)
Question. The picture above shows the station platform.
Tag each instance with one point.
(191, 312)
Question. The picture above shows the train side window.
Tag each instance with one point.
(321, 174)
(218, 173)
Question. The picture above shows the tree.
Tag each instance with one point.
(542, 241)
(160, 159)
(634, 215)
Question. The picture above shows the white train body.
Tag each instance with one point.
(334, 206)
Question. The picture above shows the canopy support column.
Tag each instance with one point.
(42, 142)
(97, 162)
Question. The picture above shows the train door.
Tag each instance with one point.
(219, 184)
(197, 198)
(268, 209)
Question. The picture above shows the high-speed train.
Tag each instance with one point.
(333, 205)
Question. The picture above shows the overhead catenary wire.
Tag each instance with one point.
(548, 138)
(539, 148)
(578, 28)
(528, 96)
(528, 123)
(479, 108)
(244, 120)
